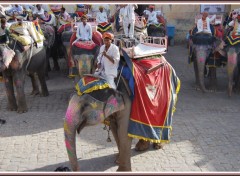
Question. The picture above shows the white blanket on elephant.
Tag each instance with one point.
(144, 49)
(27, 29)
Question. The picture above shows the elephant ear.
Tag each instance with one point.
(7, 55)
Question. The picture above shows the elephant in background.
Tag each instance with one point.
(233, 66)
(84, 55)
(50, 43)
(14, 74)
(84, 110)
(205, 53)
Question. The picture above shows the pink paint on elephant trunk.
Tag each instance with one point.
(69, 115)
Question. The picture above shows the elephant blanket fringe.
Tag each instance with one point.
(90, 83)
(155, 96)
(233, 39)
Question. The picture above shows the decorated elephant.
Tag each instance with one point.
(157, 30)
(15, 67)
(96, 103)
(232, 49)
(204, 53)
(83, 54)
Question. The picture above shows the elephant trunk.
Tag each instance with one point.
(70, 127)
(201, 58)
(231, 65)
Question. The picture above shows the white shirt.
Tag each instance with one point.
(39, 12)
(18, 9)
(152, 17)
(127, 14)
(84, 32)
(101, 17)
(200, 24)
(109, 68)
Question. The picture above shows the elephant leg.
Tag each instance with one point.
(12, 104)
(55, 57)
(196, 74)
(35, 85)
(231, 65)
(72, 121)
(124, 142)
(114, 127)
(19, 79)
(213, 78)
(42, 80)
(48, 67)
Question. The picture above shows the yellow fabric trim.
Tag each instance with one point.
(24, 40)
(97, 87)
(103, 30)
(233, 43)
(148, 139)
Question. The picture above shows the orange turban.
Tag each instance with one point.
(151, 6)
(108, 35)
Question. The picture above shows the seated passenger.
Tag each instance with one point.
(203, 24)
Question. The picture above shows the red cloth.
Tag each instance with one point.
(64, 27)
(152, 92)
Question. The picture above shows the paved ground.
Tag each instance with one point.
(206, 135)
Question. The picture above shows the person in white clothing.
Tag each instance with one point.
(152, 15)
(108, 60)
(38, 11)
(101, 16)
(203, 24)
(127, 17)
(84, 30)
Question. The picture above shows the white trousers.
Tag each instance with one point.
(109, 79)
(128, 32)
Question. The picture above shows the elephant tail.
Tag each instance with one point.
(70, 127)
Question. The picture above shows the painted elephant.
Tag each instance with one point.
(204, 52)
(82, 112)
(84, 54)
(232, 49)
(15, 74)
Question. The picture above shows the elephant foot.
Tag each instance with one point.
(197, 88)
(124, 169)
(44, 94)
(22, 110)
(12, 107)
(117, 159)
(35, 92)
(157, 146)
(142, 145)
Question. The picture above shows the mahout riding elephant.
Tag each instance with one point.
(98, 103)
(203, 52)
(31, 60)
(84, 110)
